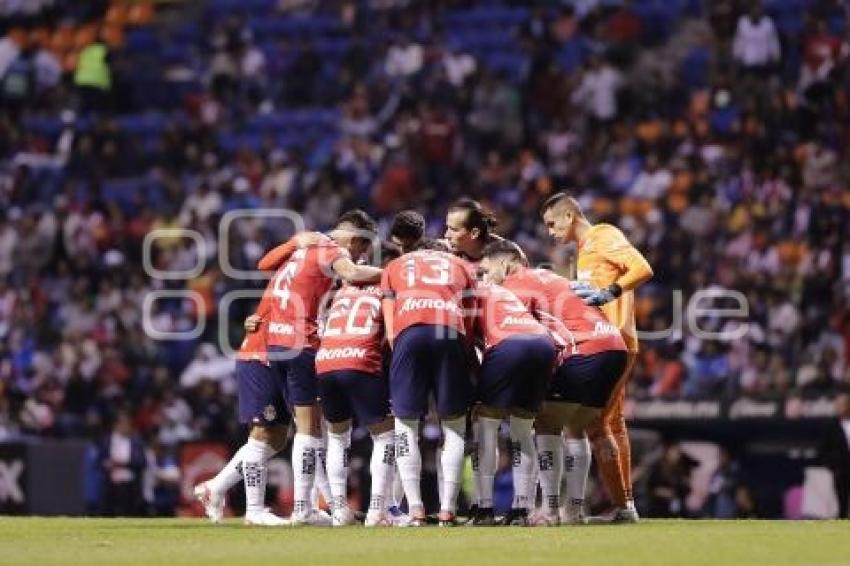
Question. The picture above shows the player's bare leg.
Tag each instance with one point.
(488, 421)
(308, 440)
(381, 470)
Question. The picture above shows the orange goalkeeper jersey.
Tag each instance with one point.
(604, 256)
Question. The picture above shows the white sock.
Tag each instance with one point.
(488, 446)
(396, 489)
(381, 469)
(475, 451)
(229, 475)
(576, 468)
(255, 455)
(451, 462)
(409, 461)
(339, 448)
(550, 456)
(303, 471)
(523, 454)
(322, 485)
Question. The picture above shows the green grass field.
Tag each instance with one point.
(182, 541)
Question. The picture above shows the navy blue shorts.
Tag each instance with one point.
(427, 361)
(262, 395)
(348, 393)
(588, 380)
(297, 369)
(517, 372)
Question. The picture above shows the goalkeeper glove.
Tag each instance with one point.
(603, 296)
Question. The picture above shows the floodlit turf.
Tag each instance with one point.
(37, 541)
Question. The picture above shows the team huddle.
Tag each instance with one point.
(352, 330)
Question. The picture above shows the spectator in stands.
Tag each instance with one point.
(653, 182)
(756, 44)
(835, 453)
(405, 59)
(670, 483)
(597, 91)
(93, 77)
(122, 456)
(722, 501)
(708, 372)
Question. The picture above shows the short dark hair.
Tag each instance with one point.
(432, 244)
(557, 199)
(408, 225)
(359, 219)
(552, 201)
(504, 247)
(389, 252)
(476, 217)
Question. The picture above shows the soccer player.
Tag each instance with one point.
(426, 303)
(298, 288)
(352, 383)
(261, 405)
(468, 231)
(468, 227)
(519, 357)
(407, 230)
(592, 361)
(615, 268)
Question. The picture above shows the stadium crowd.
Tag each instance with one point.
(716, 135)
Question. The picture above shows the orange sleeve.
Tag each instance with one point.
(277, 256)
(264, 307)
(633, 267)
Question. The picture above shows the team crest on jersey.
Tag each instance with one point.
(269, 413)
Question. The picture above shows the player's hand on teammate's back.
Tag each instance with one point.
(252, 323)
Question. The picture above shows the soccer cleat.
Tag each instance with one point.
(378, 520)
(542, 519)
(397, 517)
(573, 514)
(515, 518)
(343, 517)
(213, 502)
(620, 515)
(415, 519)
(265, 518)
(484, 517)
(447, 519)
(473, 512)
(626, 515)
(315, 518)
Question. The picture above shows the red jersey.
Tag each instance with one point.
(429, 287)
(500, 314)
(353, 332)
(253, 348)
(298, 288)
(583, 329)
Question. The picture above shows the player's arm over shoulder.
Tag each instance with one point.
(349, 271)
(613, 245)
